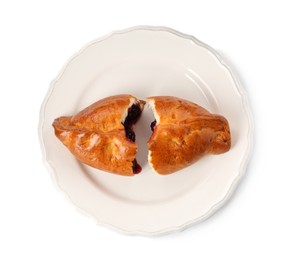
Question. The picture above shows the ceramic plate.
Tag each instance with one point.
(148, 61)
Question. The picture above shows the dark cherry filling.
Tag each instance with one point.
(153, 124)
(130, 134)
(134, 112)
(136, 167)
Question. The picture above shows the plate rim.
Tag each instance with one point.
(243, 164)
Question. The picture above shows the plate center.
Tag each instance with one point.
(143, 79)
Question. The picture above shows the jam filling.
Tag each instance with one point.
(136, 167)
(153, 124)
(134, 113)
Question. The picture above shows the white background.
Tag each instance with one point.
(37, 38)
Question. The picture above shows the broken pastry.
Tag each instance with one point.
(183, 132)
(102, 134)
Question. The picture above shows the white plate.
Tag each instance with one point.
(147, 61)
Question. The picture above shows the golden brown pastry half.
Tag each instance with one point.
(102, 134)
(183, 132)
